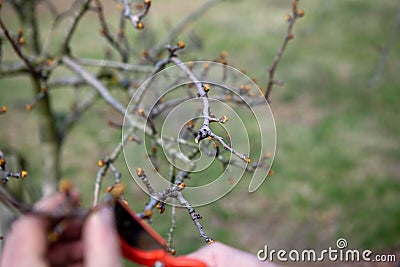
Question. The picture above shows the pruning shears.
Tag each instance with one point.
(142, 244)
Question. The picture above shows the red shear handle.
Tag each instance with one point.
(151, 257)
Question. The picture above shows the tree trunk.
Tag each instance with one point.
(49, 145)
(48, 137)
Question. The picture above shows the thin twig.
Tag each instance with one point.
(227, 147)
(51, 7)
(143, 176)
(15, 68)
(74, 21)
(18, 51)
(289, 36)
(195, 217)
(107, 34)
(58, 18)
(202, 94)
(136, 19)
(74, 116)
(104, 168)
(171, 231)
(115, 65)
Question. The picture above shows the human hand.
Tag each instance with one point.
(221, 255)
(90, 242)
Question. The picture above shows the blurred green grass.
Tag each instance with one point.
(337, 167)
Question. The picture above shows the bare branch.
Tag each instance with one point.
(195, 217)
(171, 231)
(104, 165)
(18, 51)
(95, 83)
(205, 130)
(136, 19)
(58, 18)
(142, 175)
(79, 109)
(74, 21)
(289, 36)
(116, 65)
(16, 68)
(227, 147)
(202, 94)
(107, 34)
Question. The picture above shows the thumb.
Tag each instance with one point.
(100, 240)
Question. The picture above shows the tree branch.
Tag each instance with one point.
(74, 21)
(95, 83)
(115, 65)
(289, 36)
(107, 34)
(18, 51)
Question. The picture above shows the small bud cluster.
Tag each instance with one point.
(161, 207)
(6, 175)
(206, 87)
(223, 119)
(173, 49)
(245, 89)
(65, 186)
(263, 163)
(20, 37)
(222, 58)
(290, 18)
(107, 163)
(116, 190)
(136, 19)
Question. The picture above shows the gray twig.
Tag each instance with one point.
(95, 83)
(289, 36)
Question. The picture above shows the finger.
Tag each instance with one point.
(64, 253)
(100, 240)
(72, 230)
(52, 202)
(219, 254)
(28, 236)
(207, 254)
